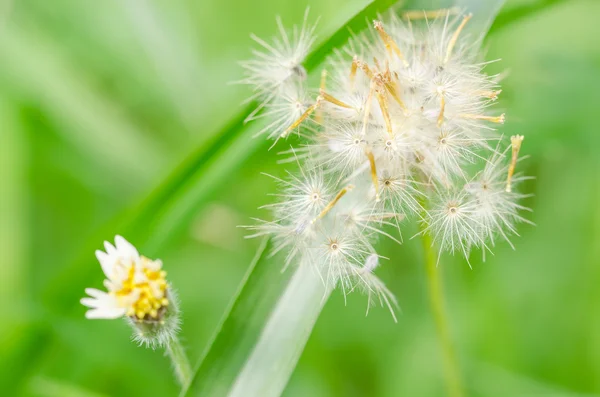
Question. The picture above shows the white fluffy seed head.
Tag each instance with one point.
(402, 114)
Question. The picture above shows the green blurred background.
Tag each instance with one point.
(100, 101)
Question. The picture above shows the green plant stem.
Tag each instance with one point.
(438, 310)
(181, 364)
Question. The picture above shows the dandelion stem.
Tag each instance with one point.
(436, 301)
(181, 364)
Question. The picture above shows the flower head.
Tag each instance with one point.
(402, 117)
(136, 288)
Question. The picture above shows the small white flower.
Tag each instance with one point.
(137, 286)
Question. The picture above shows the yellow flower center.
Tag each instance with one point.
(152, 299)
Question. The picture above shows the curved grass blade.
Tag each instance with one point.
(239, 328)
(484, 13)
(517, 13)
(282, 340)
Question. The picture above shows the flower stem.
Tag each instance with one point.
(436, 301)
(181, 364)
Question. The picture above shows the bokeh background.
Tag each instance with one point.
(101, 101)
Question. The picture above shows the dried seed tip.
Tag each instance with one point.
(386, 114)
(454, 38)
(368, 108)
(393, 89)
(493, 95)
(432, 14)
(333, 202)
(365, 68)
(515, 142)
(494, 119)
(335, 101)
(327, 97)
(374, 177)
(390, 44)
(440, 119)
(376, 62)
(323, 79)
(353, 69)
(304, 116)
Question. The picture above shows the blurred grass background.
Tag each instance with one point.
(100, 101)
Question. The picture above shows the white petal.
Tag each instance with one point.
(91, 302)
(110, 250)
(111, 313)
(106, 262)
(99, 299)
(109, 285)
(96, 293)
(125, 248)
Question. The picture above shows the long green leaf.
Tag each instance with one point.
(242, 323)
(282, 340)
(517, 13)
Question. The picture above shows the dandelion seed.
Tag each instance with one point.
(279, 61)
(497, 211)
(371, 263)
(516, 146)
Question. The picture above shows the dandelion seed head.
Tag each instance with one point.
(402, 116)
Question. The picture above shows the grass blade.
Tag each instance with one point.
(277, 351)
